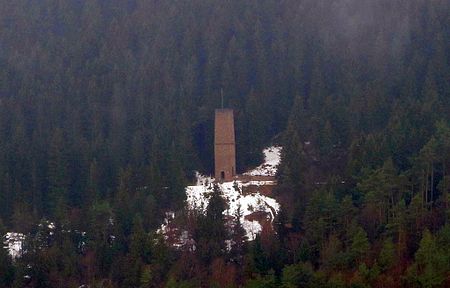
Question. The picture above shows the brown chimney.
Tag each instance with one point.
(224, 145)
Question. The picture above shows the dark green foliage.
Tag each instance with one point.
(212, 233)
(267, 281)
(431, 264)
(238, 246)
(106, 110)
(298, 275)
(259, 260)
(359, 245)
(387, 254)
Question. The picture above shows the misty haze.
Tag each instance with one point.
(224, 143)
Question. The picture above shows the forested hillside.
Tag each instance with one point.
(107, 109)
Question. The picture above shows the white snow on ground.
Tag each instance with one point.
(199, 194)
(198, 198)
(13, 243)
(270, 165)
(165, 226)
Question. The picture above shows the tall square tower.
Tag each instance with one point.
(224, 145)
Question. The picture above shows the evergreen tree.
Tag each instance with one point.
(106, 111)
(387, 256)
(238, 239)
(57, 176)
(359, 246)
(430, 266)
(298, 275)
(212, 233)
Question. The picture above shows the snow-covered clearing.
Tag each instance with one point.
(13, 243)
(270, 165)
(198, 196)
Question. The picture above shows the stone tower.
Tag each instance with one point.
(224, 145)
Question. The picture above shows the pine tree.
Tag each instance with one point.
(292, 155)
(138, 239)
(430, 266)
(100, 221)
(136, 254)
(212, 233)
(360, 245)
(267, 281)
(258, 257)
(238, 239)
(146, 278)
(387, 255)
(57, 175)
(7, 196)
(298, 275)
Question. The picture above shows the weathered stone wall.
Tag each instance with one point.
(224, 145)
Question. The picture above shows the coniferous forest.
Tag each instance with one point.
(107, 109)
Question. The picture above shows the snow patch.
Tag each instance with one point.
(198, 195)
(14, 244)
(198, 198)
(272, 158)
